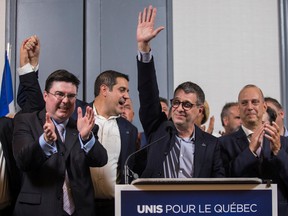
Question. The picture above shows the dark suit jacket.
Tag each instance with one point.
(207, 159)
(43, 177)
(239, 161)
(14, 176)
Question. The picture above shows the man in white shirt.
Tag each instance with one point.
(117, 135)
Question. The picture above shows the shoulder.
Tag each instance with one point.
(80, 103)
(124, 123)
(206, 136)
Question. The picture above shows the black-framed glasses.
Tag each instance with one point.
(186, 105)
(60, 95)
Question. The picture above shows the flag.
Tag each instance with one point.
(6, 96)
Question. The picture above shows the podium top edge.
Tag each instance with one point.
(155, 181)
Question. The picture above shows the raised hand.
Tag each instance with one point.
(33, 47)
(273, 134)
(30, 51)
(210, 128)
(49, 130)
(85, 123)
(145, 28)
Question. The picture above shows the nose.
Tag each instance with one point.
(65, 99)
(126, 95)
(249, 105)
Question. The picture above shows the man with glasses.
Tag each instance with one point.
(55, 152)
(183, 150)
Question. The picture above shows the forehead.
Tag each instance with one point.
(180, 94)
(250, 93)
(63, 86)
(121, 81)
(234, 111)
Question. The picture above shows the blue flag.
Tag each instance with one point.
(6, 97)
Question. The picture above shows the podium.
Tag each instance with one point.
(199, 196)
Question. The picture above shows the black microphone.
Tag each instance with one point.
(169, 127)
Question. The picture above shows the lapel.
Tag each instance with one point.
(124, 137)
(71, 137)
(241, 139)
(200, 151)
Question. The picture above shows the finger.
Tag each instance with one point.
(153, 13)
(149, 13)
(79, 113)
(139, 18)
(34, 39)
(144, 15)
(47, 118)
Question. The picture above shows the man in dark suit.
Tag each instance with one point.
(183, 150)
(55, 153)
(117, 135)
(256, 149)
(11, 178)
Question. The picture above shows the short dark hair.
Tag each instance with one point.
(164, 100)
(274, 101)
(61, 76)
(225, 110)
(107, 78)
(190, 87)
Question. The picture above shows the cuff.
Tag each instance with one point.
(27, 68)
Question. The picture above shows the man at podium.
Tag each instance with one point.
(178, 148)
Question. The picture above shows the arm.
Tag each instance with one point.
(29, 96)
(150, 109)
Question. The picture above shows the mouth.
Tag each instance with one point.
(63, 108)
(122, 101)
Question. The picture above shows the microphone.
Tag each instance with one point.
(169, 127)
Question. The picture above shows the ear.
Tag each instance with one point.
(281, 114)
(265, 106)
(45, 95)
(201, 110)
(225, 120)
(103, 90)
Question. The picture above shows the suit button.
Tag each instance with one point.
(62, 153)
(58, 197)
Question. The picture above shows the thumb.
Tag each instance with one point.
(79, 113)
(48, 119)
(156, 31)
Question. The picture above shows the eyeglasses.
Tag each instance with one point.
(185, 104)
(60, 95)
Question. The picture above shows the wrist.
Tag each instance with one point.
(87, 137)
(143, 47)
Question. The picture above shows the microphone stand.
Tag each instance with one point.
(169, 129)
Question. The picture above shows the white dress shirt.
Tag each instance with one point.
(104, 178)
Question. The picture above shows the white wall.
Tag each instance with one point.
(2, 37)
(225, 44)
